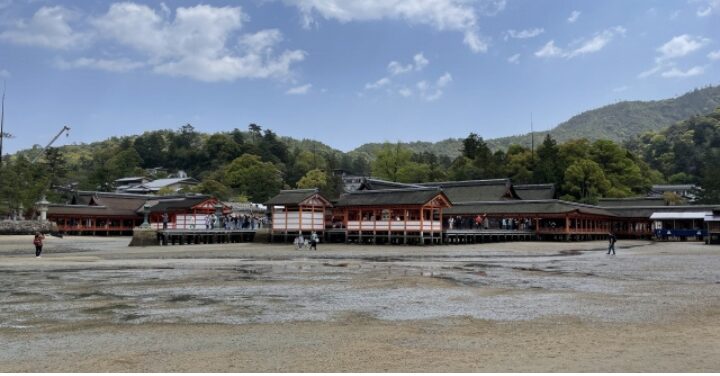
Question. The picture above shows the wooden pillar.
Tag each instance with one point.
(360, 217)
(405, 220)
(374, 226)
(422, 228)
(567, 224)
(300, 219)
(390, 221)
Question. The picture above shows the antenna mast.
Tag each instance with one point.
(2, 124)
(532, 141)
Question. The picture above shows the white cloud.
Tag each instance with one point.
(405, 92)
(514, 59)
(444, 80)
(677, 73)
(422, 85)
(491, 7)
(299, 90)
(430, 92)
(443, 15)
(709, 7)
(651, 71)
(475, 42)
(574, 16)
(714, 55)
(377, 84)
(524, 34)
(581, 47)
(620, 89)
(419, 62)
(120, 65)
(49, 27)
(4, 73)
(675, 48)
(549, 50)
(680, 46)
(598, 42)
(262, 41)
(396, 68)
(196, 43)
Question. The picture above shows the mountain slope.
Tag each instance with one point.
(617, 122)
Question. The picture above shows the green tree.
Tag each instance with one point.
(313, 179)
(124, 163)
(220, 149)
(152, 147)
(255, 132)
(585, 181)
(249, 175)
(413, 172)
(548, 167)
(390, 160)
(214, 188)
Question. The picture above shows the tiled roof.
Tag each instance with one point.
(175, 203)
(631, 202)
(388, 197)
(476, 190)
(647, 211)
(535, 191)
(525, 207)
(292, 196)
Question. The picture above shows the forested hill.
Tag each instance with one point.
(618, 122)
(622, 121)
(450, 147)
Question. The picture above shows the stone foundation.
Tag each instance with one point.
(26, 227)
(144, 237)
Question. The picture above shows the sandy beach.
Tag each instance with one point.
(93, 304)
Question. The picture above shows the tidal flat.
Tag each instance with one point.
(93, 304)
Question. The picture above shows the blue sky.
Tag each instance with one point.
(341, 71)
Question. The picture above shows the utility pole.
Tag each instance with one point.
(2, 124)
(532, 142)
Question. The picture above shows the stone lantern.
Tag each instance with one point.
(218, 214)
(146, 211)
(42, 207)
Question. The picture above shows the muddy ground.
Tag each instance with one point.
(93, 304)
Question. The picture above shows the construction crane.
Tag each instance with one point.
(65, 129)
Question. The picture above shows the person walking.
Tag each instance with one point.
(165, 219)
(38, 241)
(313, 241)
(611, 243)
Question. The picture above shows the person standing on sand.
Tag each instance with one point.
(38, 241)
(611, 243)
(313, 241)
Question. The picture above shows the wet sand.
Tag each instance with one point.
(93, 304)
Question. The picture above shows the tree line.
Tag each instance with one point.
(254, 164)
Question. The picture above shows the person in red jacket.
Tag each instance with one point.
(38, 241)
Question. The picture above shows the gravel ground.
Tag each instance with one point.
(93, 304)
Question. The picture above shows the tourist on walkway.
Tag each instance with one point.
(38, 241)
(165, 220)
(611, 243)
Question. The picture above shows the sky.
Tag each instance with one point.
(343, 72)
